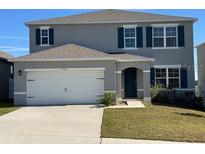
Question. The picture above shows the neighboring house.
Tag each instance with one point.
(6, 77)
(201, 69)
(75, 59)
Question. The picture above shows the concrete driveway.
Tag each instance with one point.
(53, 124)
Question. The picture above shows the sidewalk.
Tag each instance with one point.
(133, 141)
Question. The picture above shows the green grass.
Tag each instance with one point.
(154, 122)
(6, 107)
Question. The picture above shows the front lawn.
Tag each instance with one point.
(6, 107)
(155, 122)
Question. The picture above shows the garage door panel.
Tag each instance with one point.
(64, 87)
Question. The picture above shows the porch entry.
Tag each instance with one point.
(130, 83)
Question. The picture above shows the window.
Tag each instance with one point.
(168, 77)
(171, 36)
(161, 76)
(173, 74)
(130, 37)
(158, 37)
(165, 36)
(44, 36)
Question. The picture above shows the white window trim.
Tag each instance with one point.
(164, 26)
(167, 73)
(126, 27)
(44, 28)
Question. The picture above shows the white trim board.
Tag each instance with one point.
(65, 69)
(164, 25)
(161, 48)
(19, 93)
(139, 60)
(129, 26)
(167, 66)
(146, 71)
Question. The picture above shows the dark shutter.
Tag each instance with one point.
(149, 36)
(51, 36)
(183, 73)
(139, 37)
(181, 41)
(121, 37)
(152, 76)
(38, 39)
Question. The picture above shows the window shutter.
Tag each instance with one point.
(51, 36)
(139, 37)
(121, 37)
(152, 76)
(181, 41)
(149, 36)
(38, 39)
(183, 77)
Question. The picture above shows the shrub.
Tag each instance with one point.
(174, 97)
(108, 99)
(200, 102)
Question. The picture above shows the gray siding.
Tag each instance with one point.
(20, 81)
(201, 69)
(103, 37)
(5, 74)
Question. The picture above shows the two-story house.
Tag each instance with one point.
(201, 69)
(75, 59)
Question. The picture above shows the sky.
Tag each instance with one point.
(14, 37)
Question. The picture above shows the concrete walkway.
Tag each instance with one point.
(132, 141)
(53, 124)
(135, 103)
(131, 103)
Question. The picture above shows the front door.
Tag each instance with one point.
(130, 84)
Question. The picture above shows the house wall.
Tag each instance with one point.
(5, 74)
(20, 81)
(201, 69)
(104, 37)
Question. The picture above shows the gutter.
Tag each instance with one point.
(104, 22)
(82, 59)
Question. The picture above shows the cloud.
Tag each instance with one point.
(14, 49)
(14, 37)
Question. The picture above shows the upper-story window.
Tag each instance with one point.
(165, 36)
(44, 36)
(44, 32)
(130, 37)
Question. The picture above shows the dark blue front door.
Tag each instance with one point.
(130, 87)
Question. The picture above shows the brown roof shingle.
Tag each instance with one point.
(73, 52)
(4, 55)
(64, 52)
(110, 16)
(130, 57)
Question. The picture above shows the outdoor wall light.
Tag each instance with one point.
(20, 72)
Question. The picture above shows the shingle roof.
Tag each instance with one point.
(110, 16)
(4, 55)
(130, 57)
(64, 52)
(73, 52)
(202, 44)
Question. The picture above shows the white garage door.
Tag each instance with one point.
(72, 86)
